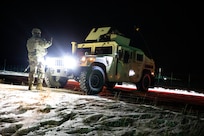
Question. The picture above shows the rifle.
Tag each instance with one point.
(26, 69)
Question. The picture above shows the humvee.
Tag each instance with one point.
(103, 60)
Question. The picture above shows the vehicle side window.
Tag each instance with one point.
(139, 57)
(126, 57)
(131, 55)
(120, 53)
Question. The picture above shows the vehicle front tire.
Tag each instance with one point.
(92, 80)
(54, 81)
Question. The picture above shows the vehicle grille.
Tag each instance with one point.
(59, 62)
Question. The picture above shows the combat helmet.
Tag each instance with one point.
(36, 32)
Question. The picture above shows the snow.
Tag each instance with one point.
(13, 73)
(59, 113)
(178, 91)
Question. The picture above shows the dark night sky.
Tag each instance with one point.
(171, 31)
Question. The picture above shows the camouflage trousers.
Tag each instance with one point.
(37, 69)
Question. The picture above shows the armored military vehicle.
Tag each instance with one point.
(105, 59)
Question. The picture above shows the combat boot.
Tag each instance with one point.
(39, 86)
(30, 87)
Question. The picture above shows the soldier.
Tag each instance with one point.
(37, 49)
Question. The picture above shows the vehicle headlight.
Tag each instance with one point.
(68, 62)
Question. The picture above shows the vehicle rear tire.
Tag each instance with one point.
(92, 80)
(54, 81)
(144, 83)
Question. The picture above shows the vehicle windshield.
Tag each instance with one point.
(82, 51)
(98, 51)
(103, 50)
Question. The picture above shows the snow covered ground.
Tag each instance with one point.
(52, 113)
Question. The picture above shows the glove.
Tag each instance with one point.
(50, 42)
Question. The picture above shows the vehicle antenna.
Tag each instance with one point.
(142, 36)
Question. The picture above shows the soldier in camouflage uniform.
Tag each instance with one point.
(37, 49)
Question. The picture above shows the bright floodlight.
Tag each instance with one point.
(68, 62)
